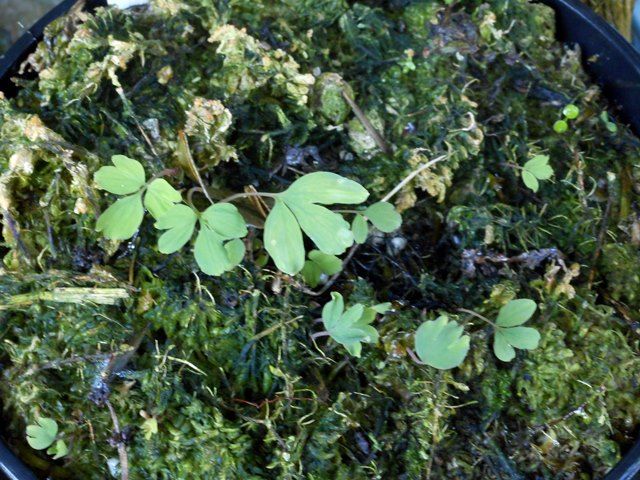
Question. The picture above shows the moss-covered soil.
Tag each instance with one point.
(225, 366)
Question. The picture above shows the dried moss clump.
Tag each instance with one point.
(219, 377)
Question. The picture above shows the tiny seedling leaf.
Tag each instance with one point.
(360, 229)
(42, 434)
(560, 126)
(283, 239)
(179, 223)
(571, 111)
(325, 188)
(225, 220)
(539, 167)
(530, 180)
(384, 217)
(160, 197)
(441, 344)
(349, 328)
(58, 450)
(124, 177)
(122, 219)
(516, 312)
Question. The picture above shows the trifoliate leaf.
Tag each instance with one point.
(122, 219)
(360, 229)
(225, 220)
(235, 250)
(328, 230)
(325, 188)
(571, 111)
(209, 252)
(384, 216)
(516, 312)
(539, 167)
(440, 343)
(160, 197)
(283, 239)
(179, 221)
(125, 177)
(58, 450)
(42, 434)
(350, 328)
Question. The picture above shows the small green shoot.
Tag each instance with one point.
(352, 327)
(509, 335)
(569, 112)
(612, 127)
(43, 435)
(537, 168)
(441, 344)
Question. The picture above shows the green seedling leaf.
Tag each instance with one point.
(509, 335)
(58, 450)
(328, 230)
(360, 229)
(384, 217)
(382, 307)
(235, 251)
(516, 312)
(122, 219)
(179, 221)
(319, 263)
(441, 344)
(537, 168)
(325, 188)
(124, 177)
(160, 197)
(210, 253)
(42, 434)
(283, 239)
(225, 220)
(561, 126)
(571, 111)
(612, 127)
(349, 328)
(149, 427)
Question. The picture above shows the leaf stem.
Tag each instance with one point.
(477, 315)
(237, 196)
(414, 357)
(411, 176)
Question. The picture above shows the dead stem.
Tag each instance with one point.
(122, 450)
(377, 137)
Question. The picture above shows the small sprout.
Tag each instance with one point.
(441, 344)
(571, 111)
(319, 264)
(352, 327)
(612, 127)
(537, 168)
(43, 436)
(508, 332)
(149, 426)
(560, 126)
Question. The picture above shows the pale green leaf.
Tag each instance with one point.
(525, 338)
(539, 167)
(382, 307)
(329, 264)
(225, 220)
(283, 239)
(328, 230)
(571, 111)
(516, 312)
(384, 216)
(179, 221)
(530, 180)
(160, 197)
(122, 219)
(360, 229)
(501, 347)
(350, 328)
(235, 250)
(332, 310)
(125, 177)
(441, 344)
(311, 273)
(325, 188)
(58, 450)
(42, 434)
(209, 252)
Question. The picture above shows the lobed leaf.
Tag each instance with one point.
(210, 253)
(225, 220)
(440, 343)
(160, 197)
(43, 434)
(123, 218)
(180, 222)
(516, 312)
(124, 177)
(325, 188)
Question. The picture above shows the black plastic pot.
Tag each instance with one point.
(610, 60)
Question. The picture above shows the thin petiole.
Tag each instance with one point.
(477, 315)
(237, 196)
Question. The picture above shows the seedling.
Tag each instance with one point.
(569, 112)
(350, 328)
(44, 435)
(218, 246)
(536, 169)
(509, 335)
(612, 127)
